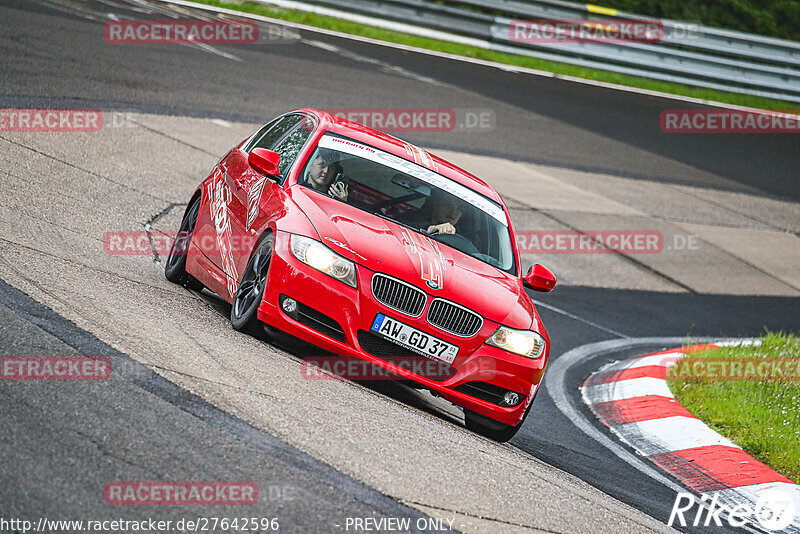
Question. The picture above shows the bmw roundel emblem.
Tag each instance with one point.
(431, 284)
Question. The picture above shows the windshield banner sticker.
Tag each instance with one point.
(417, 171)
(420, 156)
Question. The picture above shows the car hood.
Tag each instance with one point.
(383, 246)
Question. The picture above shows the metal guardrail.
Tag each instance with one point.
(718, 41)
(708, 57)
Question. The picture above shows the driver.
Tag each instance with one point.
(320, 175)
(439, 214)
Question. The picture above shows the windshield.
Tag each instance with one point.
(414, 196)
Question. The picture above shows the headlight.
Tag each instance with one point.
(522, 342)
(316, 255)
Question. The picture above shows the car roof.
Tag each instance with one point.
(398, 147)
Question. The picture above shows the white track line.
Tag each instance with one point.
(669, 434)
(626, 389)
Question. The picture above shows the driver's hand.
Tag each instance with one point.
(339, 190)
(444, 228)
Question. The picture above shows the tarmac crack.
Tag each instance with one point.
(727, 208)
(73, 262)
(107, 452)
(478, 516)
(72, 165)
(172, 138)
(625, 257)
(148, 226)
(210, 381)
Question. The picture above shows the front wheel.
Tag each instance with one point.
(175, 268)
(486, 426)
(248, 296)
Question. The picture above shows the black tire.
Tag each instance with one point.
(244, 310)
(486, 426)
(175, 269)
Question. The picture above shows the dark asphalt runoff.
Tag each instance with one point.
(51, 56)
(62, 442)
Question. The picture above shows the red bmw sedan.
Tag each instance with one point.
(372, 248)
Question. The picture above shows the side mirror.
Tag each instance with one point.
(539, 278)
(264, 161)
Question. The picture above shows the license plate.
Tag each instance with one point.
(413, 339)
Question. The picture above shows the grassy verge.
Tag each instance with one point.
(363, 30)
(761, 417)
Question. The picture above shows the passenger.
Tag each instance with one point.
(320, 177)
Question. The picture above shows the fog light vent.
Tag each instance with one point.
(511, 398)
(289, 305)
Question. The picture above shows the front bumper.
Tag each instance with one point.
(354, 311)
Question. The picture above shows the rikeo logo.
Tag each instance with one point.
(774, 511)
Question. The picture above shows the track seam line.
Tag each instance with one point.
(170, 137)
(626, 257)
(482, 517)
(72, 165)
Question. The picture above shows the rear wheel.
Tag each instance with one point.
(248, 296)
(486, 426)
(175, 269)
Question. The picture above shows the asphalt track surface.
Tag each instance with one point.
(52, 57)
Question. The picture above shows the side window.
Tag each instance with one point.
(253, 140)
(274, 133)
(290, 146)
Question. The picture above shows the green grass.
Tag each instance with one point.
(340, 25)
(761, 417)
